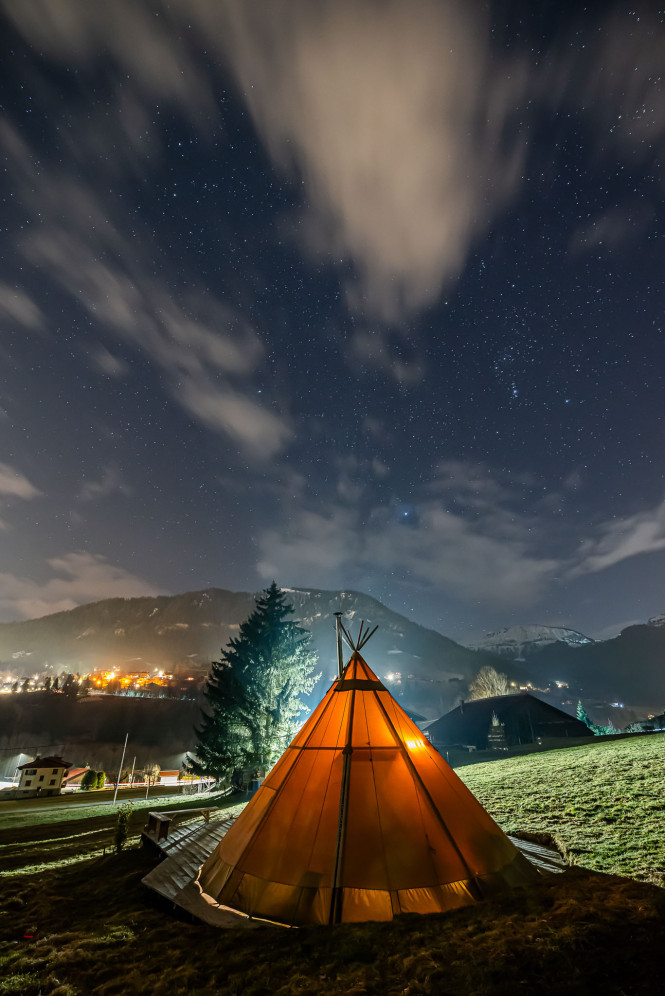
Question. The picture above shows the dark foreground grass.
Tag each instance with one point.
(603, 805)
(97, 930)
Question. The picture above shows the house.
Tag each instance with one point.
(505, 721)
(73, 778)
(169, 777)
(43, 776)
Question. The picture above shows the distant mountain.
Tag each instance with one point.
(630, 668)
(426, 671)
(520, 642)
(184, 633)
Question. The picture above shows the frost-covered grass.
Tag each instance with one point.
(59, 837)
(603, 804)
(97, 930)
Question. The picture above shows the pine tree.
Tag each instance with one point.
(598, 731)
(253, 692)
(583, 715)
(224, 741)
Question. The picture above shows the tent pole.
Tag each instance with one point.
(338, 631)
(336, 897)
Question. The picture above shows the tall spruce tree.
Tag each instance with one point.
(254, 691)
(583, 715)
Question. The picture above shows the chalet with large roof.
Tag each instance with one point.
(505, 721)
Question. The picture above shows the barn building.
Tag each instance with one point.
(505, 721)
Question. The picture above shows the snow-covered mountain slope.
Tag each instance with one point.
(518, 642)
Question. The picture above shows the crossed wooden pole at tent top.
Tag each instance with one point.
(354, 645)
(357, 646)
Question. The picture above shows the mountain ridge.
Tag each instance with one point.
(513, 641)
(426, 670)
(185, 632)
(625, 669)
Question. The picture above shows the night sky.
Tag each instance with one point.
(362, 295)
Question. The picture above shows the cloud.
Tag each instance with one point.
(207, 352)
(259, 431)
(377, 349)
(398, 118)
(613, 228)
(107, 363)
(19, 309)
(622, 92)
(460, 534)
(379, 468)
(109, 483)
(473, 534)
(622, 538)
(406, 127)
(139, 38)
(607, 69)
(335, 546)
(79, 578)
(15, 484)
(399, 121)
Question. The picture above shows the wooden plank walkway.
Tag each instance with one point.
(544, 858)
(185, 850)
(188, 847)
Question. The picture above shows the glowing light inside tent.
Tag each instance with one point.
(414, 744)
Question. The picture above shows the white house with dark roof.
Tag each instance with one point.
(43, 776)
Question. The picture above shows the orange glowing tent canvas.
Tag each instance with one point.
(360, 819)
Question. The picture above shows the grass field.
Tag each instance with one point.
(97, 930)
(55, 838)
(11, 816)
(603, 805)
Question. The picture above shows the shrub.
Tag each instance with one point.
(89, 781)
(122, 827)
(101, 779)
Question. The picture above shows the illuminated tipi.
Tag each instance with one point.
(360, 819)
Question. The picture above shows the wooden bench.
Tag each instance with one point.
(159, 824)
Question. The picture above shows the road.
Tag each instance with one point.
(101, 798)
